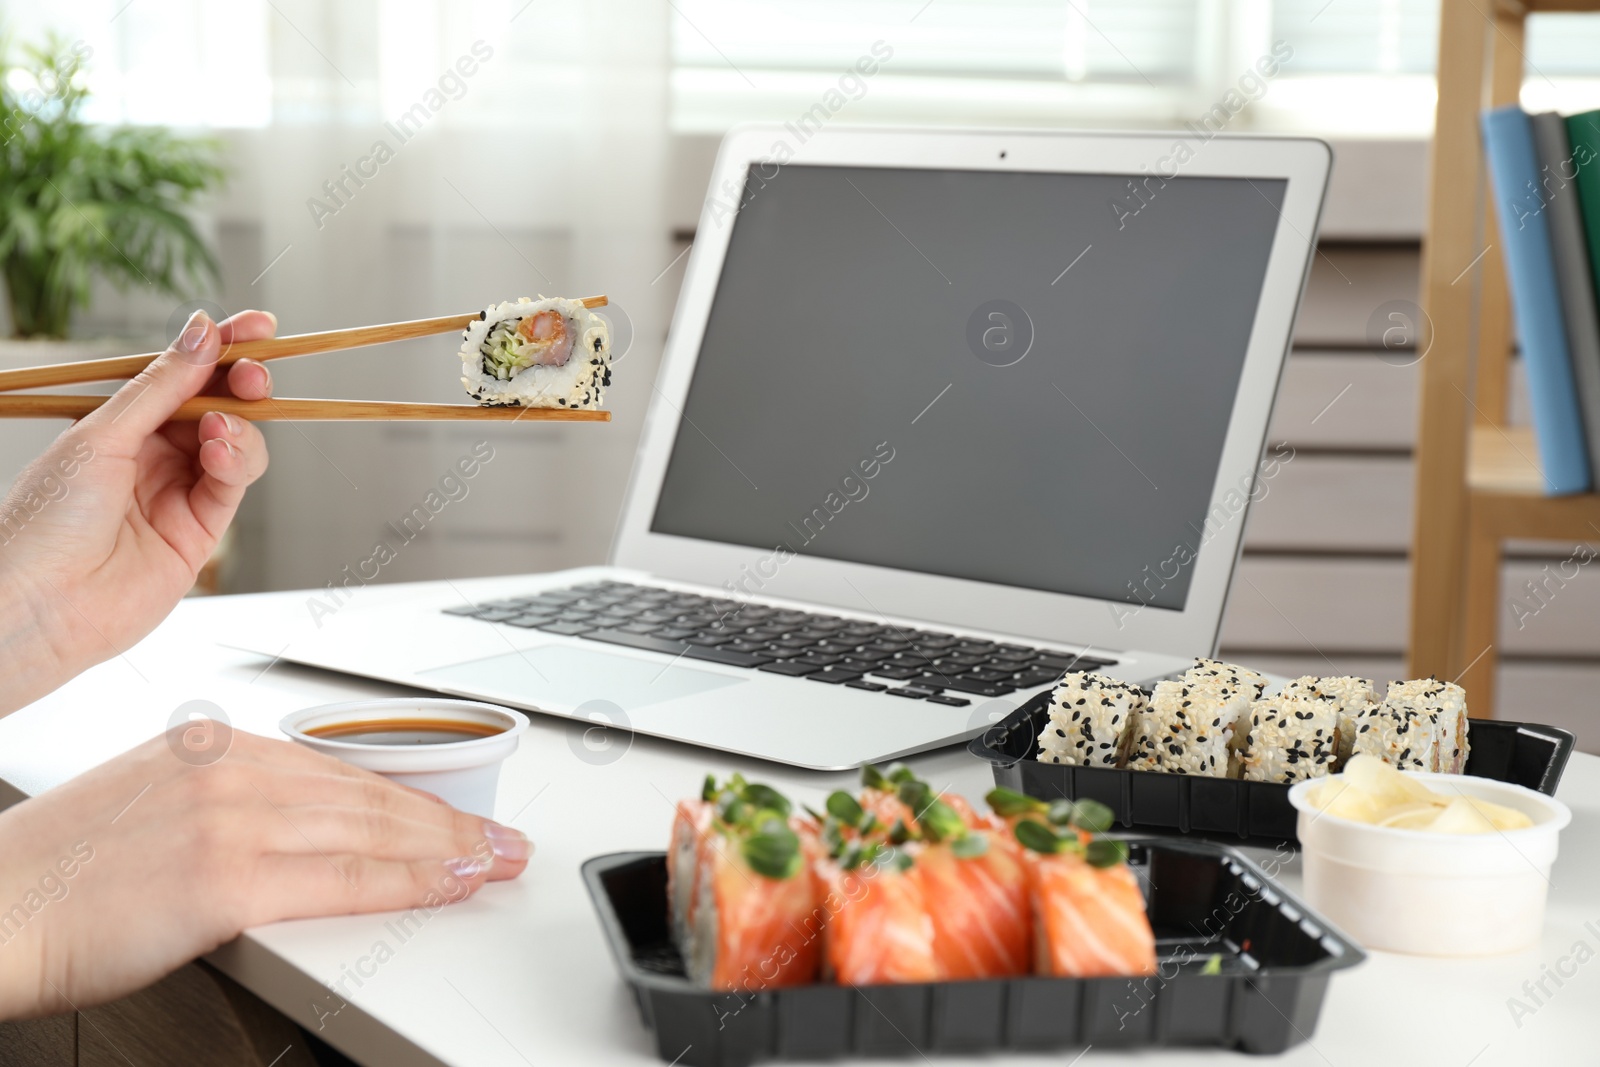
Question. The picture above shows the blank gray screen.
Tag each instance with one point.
(853, 319)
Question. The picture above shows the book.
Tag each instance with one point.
(1583, 133)
(1573, 281)
(1519, 202)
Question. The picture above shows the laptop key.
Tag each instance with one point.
(675, 633)
(640, 628)
(1029, 679)
(498, 614)
(980, 689)
(984, 674)
(528, 622)
(468, 610)
(871, 687)
(727, 656)
(833, 676)
(708, 640)
(643, 642)
(954, 702)
(912, 694)
(566, 629)
(792, 667)
(899, 674)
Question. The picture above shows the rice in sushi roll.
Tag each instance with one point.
(1421, 726)
(1188, 727)
(545, 353)
(1092, 721)
(1292, 736)
(1399, 732)
(1216, 672)
(1351, 698)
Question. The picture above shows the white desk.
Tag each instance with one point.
(520, 975)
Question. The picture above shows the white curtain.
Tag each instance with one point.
(397, 159)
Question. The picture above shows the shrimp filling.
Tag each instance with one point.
(540, 340)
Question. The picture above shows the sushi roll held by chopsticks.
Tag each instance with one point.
(545, 353)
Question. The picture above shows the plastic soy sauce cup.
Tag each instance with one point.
(450, 748)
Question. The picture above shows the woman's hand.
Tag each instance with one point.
(103, 534)
(131, 870)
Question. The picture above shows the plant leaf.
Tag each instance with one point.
(1092, 815)
(1037, 836)
(766, 797)
(843, 806)
(873, 778)
(940, 822)
(970, 846)
(1106, 852)
(774, 852)
(1008, 802)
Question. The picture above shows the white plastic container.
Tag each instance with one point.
(1432, 894)
(464, 774)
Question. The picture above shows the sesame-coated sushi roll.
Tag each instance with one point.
(544, 353)
(1092, 721)
(1351, 698)
(1216, 672)
(1291, 737)
(1400, 732)
(1187, 728)
(1446, 705)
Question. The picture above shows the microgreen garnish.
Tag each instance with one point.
(1009, 802)
(1106, 852)
(773, 850)
(970, 846)
(844, 807)
(757, 816)
(1213, 965)
(932, 820)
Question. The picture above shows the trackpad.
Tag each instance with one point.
(557, 676)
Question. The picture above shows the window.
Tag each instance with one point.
(1362, 65)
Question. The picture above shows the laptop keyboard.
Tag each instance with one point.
(915, 664)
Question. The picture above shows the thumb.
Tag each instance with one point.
(139, 408)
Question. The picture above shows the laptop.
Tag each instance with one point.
(942, 414)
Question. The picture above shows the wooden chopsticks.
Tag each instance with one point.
(304, 344)
(288, 409)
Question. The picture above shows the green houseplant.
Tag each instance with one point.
(79, 200)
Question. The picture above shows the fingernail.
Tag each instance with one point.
(194, 332)
(464, 867)
(508, 844)
(235, 426)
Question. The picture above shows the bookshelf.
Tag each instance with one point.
(1478, 483)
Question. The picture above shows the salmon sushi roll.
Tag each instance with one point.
(1088, 913)
(743, 901)
(749, 931)
(979, 907)
(881, 931)
(690, 827)
(1088, 921)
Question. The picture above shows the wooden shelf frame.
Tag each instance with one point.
(1477, 479)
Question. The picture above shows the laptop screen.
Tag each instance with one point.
(1016, 378)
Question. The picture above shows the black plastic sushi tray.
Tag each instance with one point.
(1243, 965)
(1254, 813)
